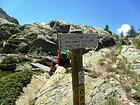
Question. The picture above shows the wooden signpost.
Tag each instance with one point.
(75, 41)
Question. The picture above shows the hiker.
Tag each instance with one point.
(64, 58)
(54, 65)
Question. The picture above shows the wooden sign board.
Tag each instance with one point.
(74, 41)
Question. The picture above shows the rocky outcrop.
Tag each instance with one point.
(23, 47)
(14, 62)
(58, 90)
(92, 58)
(105, 41)
(60, 26)
(7, 29)
(132, 55)
(30, 37)
(33, 37)
(5, 16)
(105, 38)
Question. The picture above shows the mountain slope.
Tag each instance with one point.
(4, 15)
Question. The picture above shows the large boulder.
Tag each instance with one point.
(7, 29)
(60, 70)
(60, 26)
(45, 44)
(105, 41)
(58, 90)
(23, 47)
(9, 47)
(132, 56)
(35, 36)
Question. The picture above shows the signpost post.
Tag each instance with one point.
(75, 41)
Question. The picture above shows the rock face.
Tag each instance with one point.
(132, 55)
(38, 37)
(7, 29)
(92, 58)
(105, 41)
(4, 15)
(23, 48)
(58, 90)
(60, 26)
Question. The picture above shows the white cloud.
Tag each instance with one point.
(124, 28)
(42, 23)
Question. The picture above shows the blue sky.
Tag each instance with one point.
(89, 12)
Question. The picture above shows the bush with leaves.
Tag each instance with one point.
(11, 86)
(9, 60)
(137, 43)
(9, 63)
(111, 101)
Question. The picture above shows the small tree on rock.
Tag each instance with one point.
(132, 32)
(122, 34)
(107, 28)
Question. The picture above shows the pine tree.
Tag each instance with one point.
(132, 32)
(122, 34)
(107, 28)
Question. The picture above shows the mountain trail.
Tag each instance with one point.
(32, 89)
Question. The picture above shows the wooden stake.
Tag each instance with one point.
(77, 77)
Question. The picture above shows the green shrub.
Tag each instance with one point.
(68, 70)
(136, 86)
(111, 101)
(8, 67)
(12, 60)
(5, 73)
(122, 65)
(9, 60)
(9, 63)
(137, 43)
(118, 48)
(11, 86)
